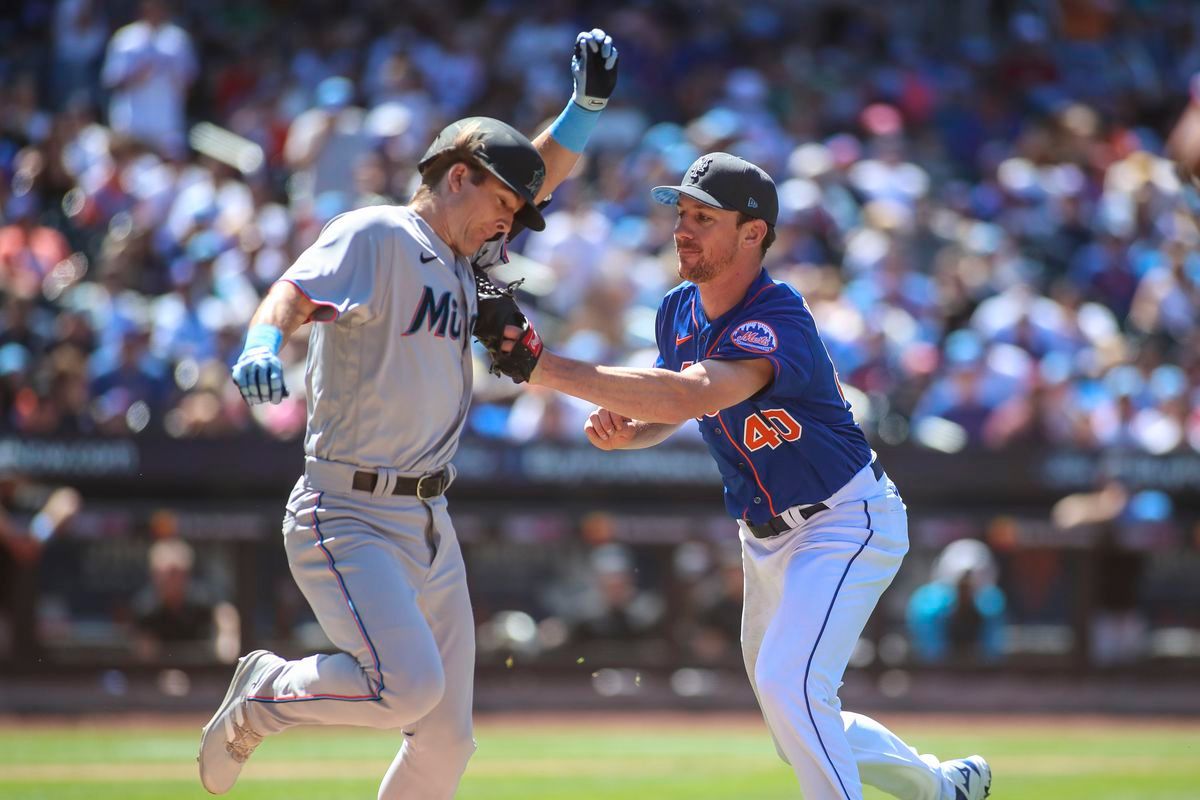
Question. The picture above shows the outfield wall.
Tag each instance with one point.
(550, 530)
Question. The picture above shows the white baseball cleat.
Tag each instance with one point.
(971, 777)
(228, 740)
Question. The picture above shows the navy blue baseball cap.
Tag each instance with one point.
(724, 181)
(504, 152)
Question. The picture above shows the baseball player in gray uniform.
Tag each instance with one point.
(388, 380)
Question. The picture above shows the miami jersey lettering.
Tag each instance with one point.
(796, 441)
(399, 308)
(438, 316)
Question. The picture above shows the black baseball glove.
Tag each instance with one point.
(498, 309)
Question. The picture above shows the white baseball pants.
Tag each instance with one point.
(385, 577)
(809, 593)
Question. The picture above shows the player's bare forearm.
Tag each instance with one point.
(285, 307)
(559, 162)
(607, 430)
(654, 395)
(650, 395)
(648, 434)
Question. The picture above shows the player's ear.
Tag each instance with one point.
(752, 233)
(456, 176)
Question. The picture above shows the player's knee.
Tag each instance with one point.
(822, 694)
(784, 685)
(412, 695)
(776, 684)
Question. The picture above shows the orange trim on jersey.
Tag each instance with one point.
(774, 363)
(695, 325)
(717, 340)
(732, 441)
(770, 285)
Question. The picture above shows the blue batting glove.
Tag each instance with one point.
(258, 372)
(594, 68)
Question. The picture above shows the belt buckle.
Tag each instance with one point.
(437, 489)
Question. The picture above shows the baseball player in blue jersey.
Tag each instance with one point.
(823, 529)
(366, 528)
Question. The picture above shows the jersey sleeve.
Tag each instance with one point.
(340, 270)
(778, 339)
(659, 337)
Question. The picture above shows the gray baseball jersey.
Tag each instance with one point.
(389, 382)
(389, 378)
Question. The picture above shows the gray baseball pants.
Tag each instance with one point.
(385, 577)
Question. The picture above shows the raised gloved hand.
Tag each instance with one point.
(258, 372)
(594, 67)
(498, 310)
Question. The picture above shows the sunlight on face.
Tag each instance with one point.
(705, 240)
(483, 210)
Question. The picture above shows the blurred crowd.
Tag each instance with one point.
(974, 199)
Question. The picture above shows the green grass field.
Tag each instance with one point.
(675, 757)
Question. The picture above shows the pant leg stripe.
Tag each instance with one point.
(357, 621)
(811, 655)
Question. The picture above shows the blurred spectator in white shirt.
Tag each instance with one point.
(149, 67)
(324, 142)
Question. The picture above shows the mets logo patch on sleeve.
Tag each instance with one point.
(755, 337)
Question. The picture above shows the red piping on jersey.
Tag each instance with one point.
(732, 441)
(717, 340)
(756, 294)
(695, 325)
(774, 363)
(300, 289)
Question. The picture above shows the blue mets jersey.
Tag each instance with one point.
(793, 443)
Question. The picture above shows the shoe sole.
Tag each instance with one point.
(237, 685)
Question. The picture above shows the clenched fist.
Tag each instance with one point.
(609, 430)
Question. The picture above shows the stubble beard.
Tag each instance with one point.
(703, 269)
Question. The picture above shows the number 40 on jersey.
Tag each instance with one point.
(770, 428)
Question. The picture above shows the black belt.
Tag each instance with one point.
(779, 524)
(424, 487)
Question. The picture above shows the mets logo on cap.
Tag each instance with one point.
(755, 337)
